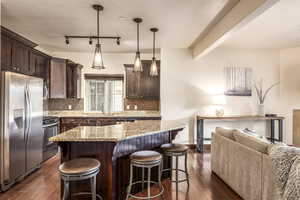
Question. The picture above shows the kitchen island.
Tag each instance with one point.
(112, 145)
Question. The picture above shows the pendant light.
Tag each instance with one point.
(138, 67)
(153, 68)
(98, 58)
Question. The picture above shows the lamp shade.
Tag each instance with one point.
(138, 67)
(153, 68)
(98, 59)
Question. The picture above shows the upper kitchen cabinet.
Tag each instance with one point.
(6, 52)
(39, 64)
(18, 55)
(132, 82)
(73, 80)
(65, 79)
(140, 85)
(58, 82)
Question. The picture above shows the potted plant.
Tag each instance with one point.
(262, 95)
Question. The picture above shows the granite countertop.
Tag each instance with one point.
(66, 113)
(117, 132)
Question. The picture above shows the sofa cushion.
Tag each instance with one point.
(251, 141)
(226, 132)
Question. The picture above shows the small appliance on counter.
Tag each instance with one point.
(50, 129)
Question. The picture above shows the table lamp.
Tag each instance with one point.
(218, 102)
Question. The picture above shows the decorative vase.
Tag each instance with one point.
(261, 110)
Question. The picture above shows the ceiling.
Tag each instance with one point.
(278, 27)
(179, 22)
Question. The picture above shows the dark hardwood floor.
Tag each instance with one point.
(44, 183)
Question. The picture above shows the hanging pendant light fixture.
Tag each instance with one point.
(138, 67)
(98, 58)
(153, 68)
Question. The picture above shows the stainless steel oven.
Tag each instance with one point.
(50, 129)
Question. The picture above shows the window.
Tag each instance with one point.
(103, 93)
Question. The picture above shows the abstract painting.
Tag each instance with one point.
(238, 81)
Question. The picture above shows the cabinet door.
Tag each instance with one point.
(155, 91)
(58, 78)
(132, 82)
(70, 81)
(145, 81)
(40, 67)
(149, 85)
(78, 81)
(20, 57)
(6, 53)
(32, 63)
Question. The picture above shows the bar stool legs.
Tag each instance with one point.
(177, 170)
(186, 171)
(177, 150)
(145, 160)
(131, 180)
(66, 190)
(93, 187)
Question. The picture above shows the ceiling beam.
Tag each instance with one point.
(238, 14)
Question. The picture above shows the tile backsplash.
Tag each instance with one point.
(78, 104)
(141, 104)
(65, 104)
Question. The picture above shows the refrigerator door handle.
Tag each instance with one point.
(26, 113)
(29, 114)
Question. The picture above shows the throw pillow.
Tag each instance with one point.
(292, 188)
(282, 158)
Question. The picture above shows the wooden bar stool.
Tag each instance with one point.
(145, 159)
(77, 170)
(177, 150)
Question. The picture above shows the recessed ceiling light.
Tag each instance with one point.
(123, 18)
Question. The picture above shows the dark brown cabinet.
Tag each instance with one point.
(6, 52)
(132, 82)
(140, 85)
(18, 55)
(65, 79)
(38, 65)
(73, 80)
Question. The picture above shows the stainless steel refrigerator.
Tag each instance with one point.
(21, 138)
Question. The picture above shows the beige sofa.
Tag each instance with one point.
(242, 161)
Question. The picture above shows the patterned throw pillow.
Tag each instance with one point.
(283, 158)
(292, 188)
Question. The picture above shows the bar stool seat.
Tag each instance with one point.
(145, 157)
(174, 148)
(77, 170)
(79, 166)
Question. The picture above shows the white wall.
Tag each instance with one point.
(188, 86)
(114, 63)
(289, 87)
